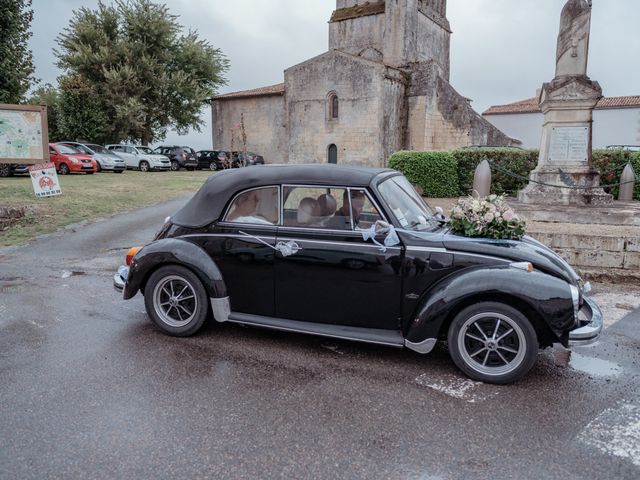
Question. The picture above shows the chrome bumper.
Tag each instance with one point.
(120, 278)
(591, 324)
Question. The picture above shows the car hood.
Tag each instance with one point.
(526, 250)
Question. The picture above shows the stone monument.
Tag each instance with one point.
(567, 103)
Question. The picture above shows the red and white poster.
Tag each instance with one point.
(45, 180)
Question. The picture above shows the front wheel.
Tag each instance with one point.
(213, 166)
(64, 169)
(5, 170)
(144, 166)
(493, 343)
(175, 166)
(176, 301)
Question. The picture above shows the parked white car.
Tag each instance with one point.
(140, 157)
(105, 159)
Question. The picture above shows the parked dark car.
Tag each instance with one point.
(10, 169)
(290, 248)
(180, 157)
(239, 159)
(212, 159)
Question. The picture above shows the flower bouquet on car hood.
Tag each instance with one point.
(490, 217)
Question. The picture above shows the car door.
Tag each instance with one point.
(54, 157)
(335, 277)
(242, 245)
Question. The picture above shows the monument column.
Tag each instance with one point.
(567, 103)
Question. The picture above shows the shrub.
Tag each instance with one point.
(435, 172)
(490, 217)
(611, 163)
(514, 160)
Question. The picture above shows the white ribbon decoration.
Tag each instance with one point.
(390, 240)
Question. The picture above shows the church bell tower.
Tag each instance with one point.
(396, 32)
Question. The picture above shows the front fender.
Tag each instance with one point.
(178, 252)
(548, 296)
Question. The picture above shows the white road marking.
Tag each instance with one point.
(456, 387)
(616, 431)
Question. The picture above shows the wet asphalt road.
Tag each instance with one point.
(88, 389)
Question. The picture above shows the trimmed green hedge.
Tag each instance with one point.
(511, 159)
(450, 174)
(435, 172)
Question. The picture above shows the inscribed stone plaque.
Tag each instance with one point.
(569, 144)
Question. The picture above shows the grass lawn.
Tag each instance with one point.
(87, 197)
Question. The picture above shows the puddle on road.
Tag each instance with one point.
(594, 366)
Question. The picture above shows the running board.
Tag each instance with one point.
(390, 338)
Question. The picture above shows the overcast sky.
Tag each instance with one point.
(501, 50)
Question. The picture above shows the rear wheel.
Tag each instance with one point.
(5, 170)
(144, 166)
(64, 169)
(176, 301)
(175, 166)
(213, 166)
(493, 342)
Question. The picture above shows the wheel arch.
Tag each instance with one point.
(543, 299)
(175, 252)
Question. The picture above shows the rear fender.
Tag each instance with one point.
(547, 296)
(174, 251)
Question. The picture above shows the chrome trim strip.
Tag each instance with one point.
(306, 332)
(422, 347)
(427, 249)
(221, 308)
(347, 244)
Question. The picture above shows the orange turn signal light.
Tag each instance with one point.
(131, 253)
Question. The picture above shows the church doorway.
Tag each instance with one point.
(333, 154)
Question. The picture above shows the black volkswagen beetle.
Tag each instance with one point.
(355, 253)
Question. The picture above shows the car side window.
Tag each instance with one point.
(329, 208)
(258, 206)
(315, 207)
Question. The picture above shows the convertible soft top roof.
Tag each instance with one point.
(208, 203)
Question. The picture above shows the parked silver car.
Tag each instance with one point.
(105, 159)
(140, 157)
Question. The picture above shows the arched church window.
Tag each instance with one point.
(333, 105)
(332, 153)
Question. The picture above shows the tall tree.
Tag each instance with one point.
(16, 60)
(50, 96)
(147, 74)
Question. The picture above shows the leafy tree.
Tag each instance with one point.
(16, 60)
(82, 117)
(50, 96)
(147, 74)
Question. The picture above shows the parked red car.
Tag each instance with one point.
(69, 160)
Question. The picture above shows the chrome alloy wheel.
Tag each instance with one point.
(492, 344)
(175, 301)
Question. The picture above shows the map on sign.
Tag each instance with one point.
(21, 135)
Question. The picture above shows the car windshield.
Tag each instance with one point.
(98, 148)
(407, 206)
(188, 150)
(66, 149)
(144, 149)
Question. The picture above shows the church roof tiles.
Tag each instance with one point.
(530, 105)
(277, 89)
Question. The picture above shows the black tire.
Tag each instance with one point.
(493, 343)
(64, 169)
(213, 166)
(5, 170)
(162, 295)
(144, 166)
(98, 167)
(175, 166)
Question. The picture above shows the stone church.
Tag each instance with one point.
(383, 86)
